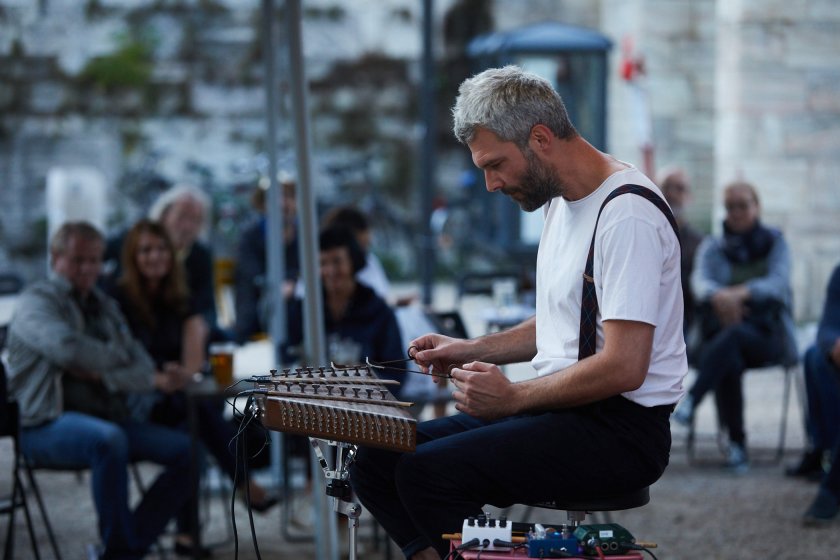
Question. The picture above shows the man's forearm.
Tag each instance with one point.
(516, 344)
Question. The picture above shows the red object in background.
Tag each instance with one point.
(632, 65)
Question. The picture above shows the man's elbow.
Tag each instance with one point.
(630, 378)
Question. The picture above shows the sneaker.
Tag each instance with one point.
(684, 413)
(823, 510)
(737, 460)
(810, 467)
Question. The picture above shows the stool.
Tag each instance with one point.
(576, 510)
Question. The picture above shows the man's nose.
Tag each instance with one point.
(492, 181)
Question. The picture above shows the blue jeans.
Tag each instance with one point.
(75, 440)
(462, 463)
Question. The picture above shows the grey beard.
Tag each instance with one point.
(539, 184)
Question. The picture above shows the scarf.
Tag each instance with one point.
(749, 246)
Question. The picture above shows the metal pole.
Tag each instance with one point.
(427, 165)
(274, 246)
(314, 338)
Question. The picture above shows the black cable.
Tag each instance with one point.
(249, 405)
(247, 417)
(472, 543)
(634, 546)
(233, 494)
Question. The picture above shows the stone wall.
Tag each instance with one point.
(677, 40)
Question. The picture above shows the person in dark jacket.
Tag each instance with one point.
(252, 303)
(358, 323)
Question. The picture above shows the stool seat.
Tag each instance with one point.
(628, 500)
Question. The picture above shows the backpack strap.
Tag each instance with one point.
(589, 301)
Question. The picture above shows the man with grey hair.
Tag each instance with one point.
(606, 342)
(71, 362)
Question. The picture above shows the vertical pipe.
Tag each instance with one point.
(427, 158)
(313, 332)
(274, 246)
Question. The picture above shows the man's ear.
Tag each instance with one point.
(541, 137)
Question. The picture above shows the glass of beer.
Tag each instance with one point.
(221, 363)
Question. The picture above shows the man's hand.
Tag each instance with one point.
(483, 391)
(437, 353)
(173, 377)
(730, 304)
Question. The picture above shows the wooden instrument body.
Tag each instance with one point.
(350, 405)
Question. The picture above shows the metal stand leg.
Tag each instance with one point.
(338, 487)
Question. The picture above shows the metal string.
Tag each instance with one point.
(384, 365)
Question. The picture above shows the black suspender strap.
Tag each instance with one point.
(589, 301)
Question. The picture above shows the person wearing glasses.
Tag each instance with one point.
(741, 281)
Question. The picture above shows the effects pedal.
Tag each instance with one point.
(486, 530)
(547, 542)
(610, 538)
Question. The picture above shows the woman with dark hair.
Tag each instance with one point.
(155, 299)
(358, 323)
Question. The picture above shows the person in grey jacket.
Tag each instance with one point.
(741, 281)
(71, 362)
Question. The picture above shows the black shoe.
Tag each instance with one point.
(810, 467)
(823, 510)
(187, 550)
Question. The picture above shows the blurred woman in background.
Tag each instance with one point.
(154, 297)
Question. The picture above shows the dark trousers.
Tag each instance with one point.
(462, 463)
(822, 422)
(216, 433)
(822, 387)
(723, 358)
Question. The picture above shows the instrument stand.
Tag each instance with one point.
(338, 485)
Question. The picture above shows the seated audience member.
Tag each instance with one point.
(373, 273)
(183, 210)
(353, 219)
(677, 191)
(156, 302)
(822, 424)
(252, 307)
(71, 360)
(358, 323)
(742, 283)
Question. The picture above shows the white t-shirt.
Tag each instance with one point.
(637, 278)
